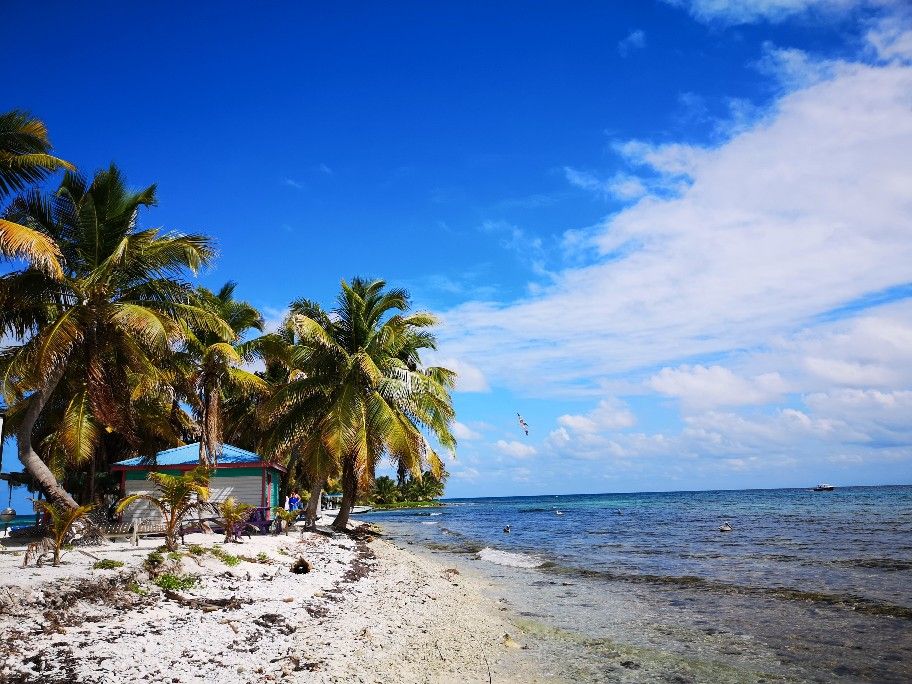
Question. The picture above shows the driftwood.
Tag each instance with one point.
(207, 605)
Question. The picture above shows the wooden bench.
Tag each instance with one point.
(133, 530)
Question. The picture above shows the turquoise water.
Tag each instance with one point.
(809, 585)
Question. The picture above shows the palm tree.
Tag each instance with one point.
(25, 161)
(60, 521)
(107, 321)
(213, 360)
(361, 391)
(234, 517)
(178, 495)
(385, 490)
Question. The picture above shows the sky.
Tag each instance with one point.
(675, 235)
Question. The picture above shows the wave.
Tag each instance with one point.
(508, 558)
(430, 522)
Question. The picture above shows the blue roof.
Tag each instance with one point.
(189, 455)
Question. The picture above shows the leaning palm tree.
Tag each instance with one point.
(361, 391)
(178, 495)
(107, 321)
(213, 360)
(25, 160)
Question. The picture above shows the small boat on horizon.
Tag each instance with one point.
(823, 487)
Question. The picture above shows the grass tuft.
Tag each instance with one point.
(108, 564)
(176, 582)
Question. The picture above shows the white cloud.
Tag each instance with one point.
(749, 11)
(794, 216)
(622, 186)
(469, 378)
(716, 386)
(891, 38)
(610, 414)
(515, 449)
(635, 40)
(463, 432)
(467, 474)
(292, 183)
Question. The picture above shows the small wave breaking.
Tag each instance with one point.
(509, 559)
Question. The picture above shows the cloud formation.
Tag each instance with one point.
(635, 40)
(761, 283)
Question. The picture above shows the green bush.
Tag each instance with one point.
(196, 550)
(153, 563)
(176, 582)
(108, 564)
(226, 558)
(136, 588)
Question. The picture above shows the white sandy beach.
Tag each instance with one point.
(367, 612)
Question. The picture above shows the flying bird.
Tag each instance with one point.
(523, 424)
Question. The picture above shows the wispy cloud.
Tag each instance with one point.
(635, 40)
(292, 183)
(749, 11)
(792, 216)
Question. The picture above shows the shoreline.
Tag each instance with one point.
(368, 611)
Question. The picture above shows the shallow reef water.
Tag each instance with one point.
(808, 586)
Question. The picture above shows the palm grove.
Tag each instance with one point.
(111, 351)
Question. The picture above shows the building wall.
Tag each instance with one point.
(244, 484)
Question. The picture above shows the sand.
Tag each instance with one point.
(366, 612)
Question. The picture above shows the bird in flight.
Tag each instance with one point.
(523, 424)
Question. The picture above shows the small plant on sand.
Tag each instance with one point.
(262, 557)
(60, 521)
(108, 564)
(153, 563)
(234, 516)
(284, 518)
(196, 550)
(137, 588)
(226, 558)
(176, 582)
(175, 556)
(178, 495)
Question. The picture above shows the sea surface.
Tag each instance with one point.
(808, 586)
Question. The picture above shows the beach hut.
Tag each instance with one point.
(246, 476)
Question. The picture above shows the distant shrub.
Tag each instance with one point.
(176, 582)
(108, 564)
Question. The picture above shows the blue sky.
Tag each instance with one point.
(674, 235)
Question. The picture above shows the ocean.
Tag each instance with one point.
(807, 586)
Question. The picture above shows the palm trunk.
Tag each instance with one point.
(30, 460)
(349, 494)
(313, 505)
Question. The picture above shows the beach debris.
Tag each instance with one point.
(450, 573)
(523, 424)
(558, 512)
(301, 566)
(725, 527)
(509, 642)
(506, 529)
